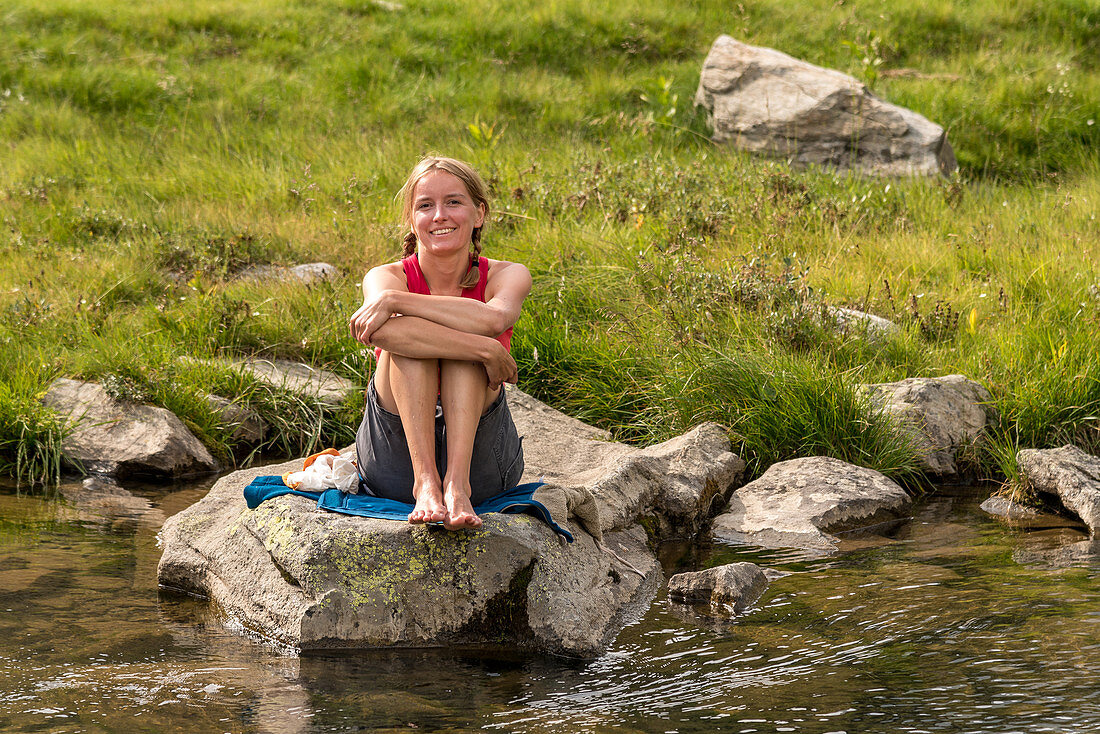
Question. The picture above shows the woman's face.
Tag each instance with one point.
(443, 215)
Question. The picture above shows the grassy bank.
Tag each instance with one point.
(154, 151)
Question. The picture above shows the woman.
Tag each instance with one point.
(437, 431)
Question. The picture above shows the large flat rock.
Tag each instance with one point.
(315, 579)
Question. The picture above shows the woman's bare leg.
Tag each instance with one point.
(465, 396)
(409, 387)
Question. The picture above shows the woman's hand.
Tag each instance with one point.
(499, 366)
(369, 317)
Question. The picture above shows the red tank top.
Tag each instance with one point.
(414, 278)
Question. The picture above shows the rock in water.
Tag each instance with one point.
(943, 414)
(735, 584)
(798, 503)
(315, 579)
(765, 101)
(124, 439)
(1069, 474)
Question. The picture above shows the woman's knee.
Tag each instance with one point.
(466, 381)
(407, 376)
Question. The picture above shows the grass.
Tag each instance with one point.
(154, 151)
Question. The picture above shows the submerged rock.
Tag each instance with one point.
(1058, 548)
(1024, 516)
(735, 584)
(315, 579)
(1067, 473)
(944, 415)
(122, 439)
(801, 502)
(101, 501)
(765, 101)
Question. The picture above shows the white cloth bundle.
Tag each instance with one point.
(326, 470)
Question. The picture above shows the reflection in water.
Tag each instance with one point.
(953, 623)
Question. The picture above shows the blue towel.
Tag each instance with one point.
(516, 500)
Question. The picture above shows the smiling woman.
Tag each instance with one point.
(436, 430)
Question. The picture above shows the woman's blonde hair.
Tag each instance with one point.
(475, 188)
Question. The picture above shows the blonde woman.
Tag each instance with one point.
(437, 432)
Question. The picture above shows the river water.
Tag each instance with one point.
(955, 623)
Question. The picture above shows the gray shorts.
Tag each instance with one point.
(385, 467)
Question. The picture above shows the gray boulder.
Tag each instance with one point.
(674, 486)
(737, 585)
(1067, 473)
(874, 328)
(307, 273)
(124, 439)
(328, 387)
(767, 102)
(316, 579)
(800, 504)
(943, 415)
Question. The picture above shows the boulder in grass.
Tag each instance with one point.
(944, 415)
(765, 101)
(1070, 475)
(124, 439)
(302, 379)
(874, 328)
(802, 503)
(314, 579)
(736, 585)
(307, 273)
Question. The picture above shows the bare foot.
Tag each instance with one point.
(429, 506)
(460, 513)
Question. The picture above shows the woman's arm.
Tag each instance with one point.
(507, 287)
(374, 312)
(376, 322)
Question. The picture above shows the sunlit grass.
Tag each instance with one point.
(154, 150)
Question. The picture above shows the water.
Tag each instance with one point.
(955, 623)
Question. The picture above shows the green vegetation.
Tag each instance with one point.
(153, 150)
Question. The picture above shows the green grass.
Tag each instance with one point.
(152, 151)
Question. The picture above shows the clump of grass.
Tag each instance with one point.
(30, 435)
(781, 408)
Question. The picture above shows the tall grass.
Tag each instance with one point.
(155, 151)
